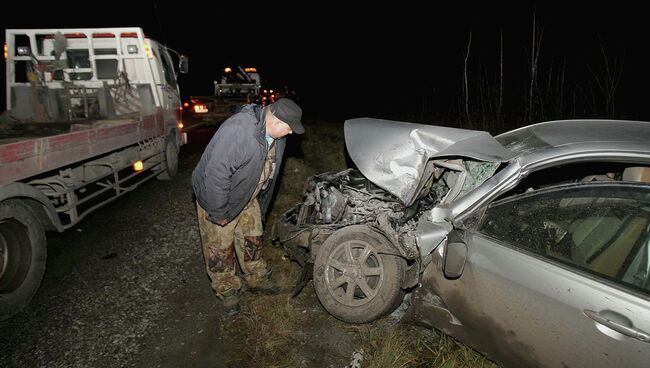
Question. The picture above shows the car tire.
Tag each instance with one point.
(23, 254)
(355, 280)
(170, 158)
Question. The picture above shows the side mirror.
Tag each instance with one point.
(184, 64)
(455, 257)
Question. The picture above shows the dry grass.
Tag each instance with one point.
(387, 346)
(447, 352)
(273, 326)
(405, 346)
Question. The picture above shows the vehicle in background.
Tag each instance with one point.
(533, 246)
(92, 113)
(269, 96)
(235, 87)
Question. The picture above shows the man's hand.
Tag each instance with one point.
(223, 222)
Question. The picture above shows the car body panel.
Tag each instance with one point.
(589, 132)
(524, 311)
(518, 307)
(393, 154)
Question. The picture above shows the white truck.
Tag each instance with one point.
(91, 114)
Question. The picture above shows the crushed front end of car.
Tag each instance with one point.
(356, 231)
(380, 250)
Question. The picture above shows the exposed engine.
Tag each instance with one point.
(335, 200)
(347, 198)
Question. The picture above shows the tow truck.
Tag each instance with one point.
(92, 113)
(235, 87)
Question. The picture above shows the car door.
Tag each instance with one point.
(559, 277)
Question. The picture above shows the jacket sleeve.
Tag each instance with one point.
(226, 157)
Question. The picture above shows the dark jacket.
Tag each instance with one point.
(226, 176)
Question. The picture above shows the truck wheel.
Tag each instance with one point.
(354, 281)
(23, 252)
(170, 162)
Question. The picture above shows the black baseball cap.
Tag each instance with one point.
(289, 112)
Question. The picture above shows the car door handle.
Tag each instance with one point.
(622, 329)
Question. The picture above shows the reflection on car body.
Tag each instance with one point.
(532, 246)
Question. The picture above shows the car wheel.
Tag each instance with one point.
(23, 253)
(170, 162)
(355, 280)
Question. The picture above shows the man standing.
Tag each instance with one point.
(233, 183)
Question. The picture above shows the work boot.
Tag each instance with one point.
(231, 305)
(261, 285)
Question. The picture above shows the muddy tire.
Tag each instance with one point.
(23, 253)
(354, 280)
(170, 158)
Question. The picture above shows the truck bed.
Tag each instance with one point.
(28, 149)
(19, 131)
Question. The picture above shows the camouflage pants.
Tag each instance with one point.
(240, 240)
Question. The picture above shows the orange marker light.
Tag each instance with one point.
(138, 165)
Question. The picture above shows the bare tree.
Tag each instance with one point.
(608, 79)
(465, 80)
(560, 91)
(500, 103)
(533, 65)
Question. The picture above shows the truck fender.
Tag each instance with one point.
(37, 201)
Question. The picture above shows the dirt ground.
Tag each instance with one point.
(127, 288)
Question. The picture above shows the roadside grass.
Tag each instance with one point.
(402, 346)
(451, 353)
(387, 346)
(273, 326)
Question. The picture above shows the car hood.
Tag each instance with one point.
(393, 154)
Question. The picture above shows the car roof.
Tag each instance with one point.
(581, 134)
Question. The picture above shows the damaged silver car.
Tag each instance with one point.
(532, 246)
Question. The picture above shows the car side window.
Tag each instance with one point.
(600, 228)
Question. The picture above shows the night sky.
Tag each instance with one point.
(396, 61)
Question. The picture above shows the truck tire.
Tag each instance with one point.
(23, 253)
(354, 280)
(170, 158)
